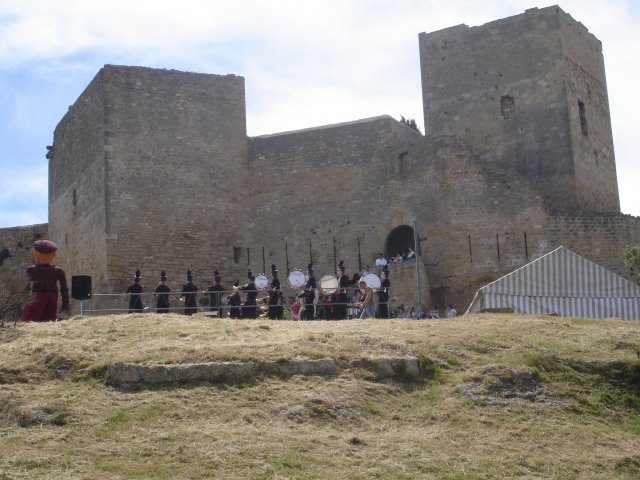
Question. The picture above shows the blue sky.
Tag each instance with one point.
(306, 64)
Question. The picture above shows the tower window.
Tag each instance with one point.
(507, 106)
(583, 118)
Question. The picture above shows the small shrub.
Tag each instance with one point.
(429, 368)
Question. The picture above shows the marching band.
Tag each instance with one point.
(328, 300)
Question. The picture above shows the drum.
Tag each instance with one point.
(328, 284)
(373, 281)
(297, 279)
(262, 281)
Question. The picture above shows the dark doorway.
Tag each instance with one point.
(398, 240)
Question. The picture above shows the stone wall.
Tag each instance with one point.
(15, 247)
(152, 169)
(177, 172)
(15, 256)
(77, 186)
(160, 156)
(510, 89)
(589, 120)
(322, 194)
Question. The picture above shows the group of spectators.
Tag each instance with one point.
(408, 254)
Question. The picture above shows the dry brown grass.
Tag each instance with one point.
(347, 426)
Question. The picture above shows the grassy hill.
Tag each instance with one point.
(500, 396)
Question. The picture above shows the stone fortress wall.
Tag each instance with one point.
(152, 169)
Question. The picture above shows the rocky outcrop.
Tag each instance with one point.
(131, 374)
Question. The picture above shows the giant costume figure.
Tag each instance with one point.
(44, 279)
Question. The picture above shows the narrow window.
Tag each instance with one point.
(507, 106)
(583, 118)
(237, 253)
(75, 197)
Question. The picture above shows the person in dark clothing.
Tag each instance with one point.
(189, 293)
(215, 294)
(234, 302)
(276, 309)
(383, 294)
(249, 309)
(310, 292)
(341, 296)
(134, 290)
(44, 279)
(162, 294)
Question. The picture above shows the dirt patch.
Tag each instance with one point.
(502, 386)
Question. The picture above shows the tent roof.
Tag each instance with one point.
(563, 273)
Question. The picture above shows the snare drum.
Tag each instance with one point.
(297, 279)
(262, 281)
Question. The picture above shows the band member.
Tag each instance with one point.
(249, 309)
(276, 309)
(189, 293)
(383, 294)
(134, 290)
(310, 294)
(341, 300)
(44, 278)
(234, 301)
(162, 294)
(215, 294)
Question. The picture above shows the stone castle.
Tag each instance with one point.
(153, 169)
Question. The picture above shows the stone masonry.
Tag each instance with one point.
(152, 169)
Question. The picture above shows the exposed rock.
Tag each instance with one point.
(38, 418)
(390, 367)
(302, 366)
(501, 386)
(128, 374)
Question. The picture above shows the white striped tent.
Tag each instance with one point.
(564, 283)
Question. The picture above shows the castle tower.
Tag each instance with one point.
(529, 94)
(147, 170)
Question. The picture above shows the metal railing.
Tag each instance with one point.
(290, 301)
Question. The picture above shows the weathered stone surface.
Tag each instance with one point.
(128, 374)
(324, 366)
(131, 374)
(391, 367)
(215, 372)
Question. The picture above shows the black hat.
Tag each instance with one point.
(341, 266)
(138, 277)
(45, 246)
(163, 275)
(216, 275)
(310, 268)
(189, 276)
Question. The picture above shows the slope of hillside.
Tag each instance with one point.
(498, 396)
